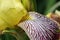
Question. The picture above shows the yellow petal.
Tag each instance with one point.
(12, 11)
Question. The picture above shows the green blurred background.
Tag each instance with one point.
(44, 5)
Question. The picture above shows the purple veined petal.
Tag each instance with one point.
(50, 27)
(45, 25)
(48, 21)
(48, 33)
(36, 26)
(42, 18)
(40, 28)
(29, 29)
(43, 28)
(33, 28)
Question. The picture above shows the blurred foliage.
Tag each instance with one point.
(44, 5)
(14, 34)
(7, 36)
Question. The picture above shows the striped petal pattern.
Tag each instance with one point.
(40, 28)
